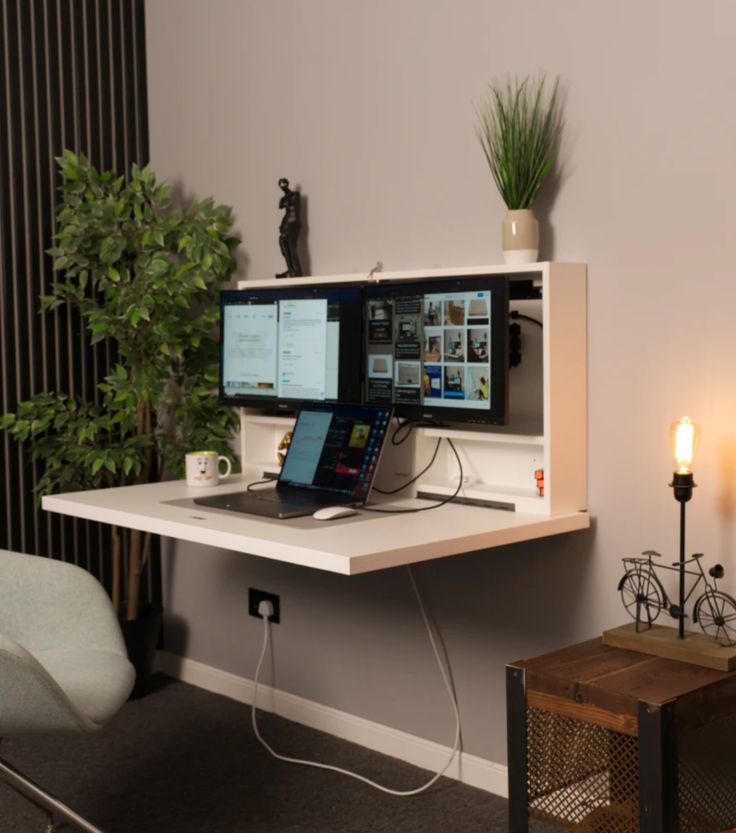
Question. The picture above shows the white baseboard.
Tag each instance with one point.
(470, 769)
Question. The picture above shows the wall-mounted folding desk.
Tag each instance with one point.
(358, 544)
(547, 430)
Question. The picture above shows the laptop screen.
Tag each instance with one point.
(336, 448)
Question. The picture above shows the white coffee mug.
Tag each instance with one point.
(203, 468)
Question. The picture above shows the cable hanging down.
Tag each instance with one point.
(265, 610)
(397, 438)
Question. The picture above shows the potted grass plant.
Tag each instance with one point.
(144, 275)
(519, 127)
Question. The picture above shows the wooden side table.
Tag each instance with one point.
(607, 740)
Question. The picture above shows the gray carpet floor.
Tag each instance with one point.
(182, 760)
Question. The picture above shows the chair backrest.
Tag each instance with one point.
(47, 604)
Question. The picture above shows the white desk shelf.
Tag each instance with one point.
(358, 544)
(485, 436)
(547, 430)
(260, 437)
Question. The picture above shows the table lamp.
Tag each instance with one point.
(684, 437)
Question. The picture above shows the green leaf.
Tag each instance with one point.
(69, 171)
(147, 175)
(158, 265)
(519, 128)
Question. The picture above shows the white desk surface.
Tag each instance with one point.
(357, 544)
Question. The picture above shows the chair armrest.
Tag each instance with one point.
(32, 701)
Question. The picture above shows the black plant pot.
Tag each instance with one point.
(141, 637)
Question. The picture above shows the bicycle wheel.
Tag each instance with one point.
(641, 596)
(716, 614)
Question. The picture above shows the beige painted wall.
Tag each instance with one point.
(368, 107)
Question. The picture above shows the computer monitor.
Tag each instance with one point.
(284, 346)
(438, 349)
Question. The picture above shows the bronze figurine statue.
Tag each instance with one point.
(289, 230)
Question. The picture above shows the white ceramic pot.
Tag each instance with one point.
(520, 236)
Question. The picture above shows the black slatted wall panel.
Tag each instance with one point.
(72, 75)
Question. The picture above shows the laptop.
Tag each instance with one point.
(331, 461)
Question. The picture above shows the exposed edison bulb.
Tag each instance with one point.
(684, 437)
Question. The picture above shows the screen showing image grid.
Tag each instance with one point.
(430, 348)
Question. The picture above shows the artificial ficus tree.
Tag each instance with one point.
(145, 275)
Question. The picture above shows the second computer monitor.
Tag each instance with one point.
(438, 349)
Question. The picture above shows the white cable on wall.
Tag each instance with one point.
(266, 612)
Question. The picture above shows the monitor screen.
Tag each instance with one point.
(438, 349)
(281, 347)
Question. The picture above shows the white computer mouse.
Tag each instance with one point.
(329, 513)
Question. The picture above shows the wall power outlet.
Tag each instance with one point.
(255, 597)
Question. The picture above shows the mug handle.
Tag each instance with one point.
(227, 462)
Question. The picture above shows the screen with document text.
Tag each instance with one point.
(281, 347)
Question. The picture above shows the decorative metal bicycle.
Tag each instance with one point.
(644, 596)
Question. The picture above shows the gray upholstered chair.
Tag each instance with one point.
(63, 664)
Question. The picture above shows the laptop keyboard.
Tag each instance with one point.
(300, 500)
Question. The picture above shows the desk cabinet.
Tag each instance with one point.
(547, 400)
(604, 740)
(546, 431)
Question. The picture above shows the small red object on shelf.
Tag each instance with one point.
(539, 477)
